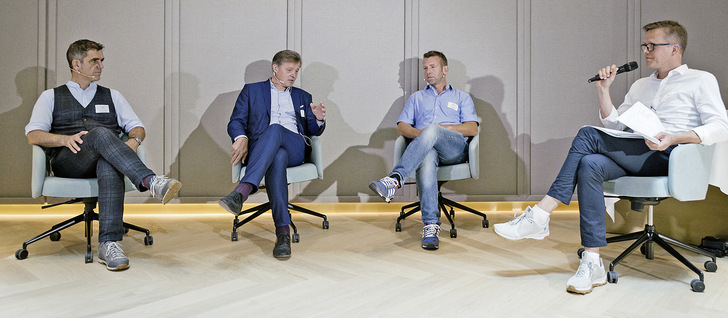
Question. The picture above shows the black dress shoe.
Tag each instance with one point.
(232, 202)
(283, 246)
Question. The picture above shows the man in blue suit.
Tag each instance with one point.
(270, 128)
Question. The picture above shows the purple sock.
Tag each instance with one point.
(283, 230)
(244, 188)
(147, 181)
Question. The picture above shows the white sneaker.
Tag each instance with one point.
(588, 276)
(522, 226)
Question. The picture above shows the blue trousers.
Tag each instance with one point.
(104, 156)
(434, 146)
(269, 156)
(596, 157)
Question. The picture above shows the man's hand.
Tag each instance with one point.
(607, 75)
(666, 140)
(239, 150)
(73, 141)
(133, 144)
(319, 111)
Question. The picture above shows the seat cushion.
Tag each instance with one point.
(304, 172)
(453, 172)
(75, 187)
(641, 187)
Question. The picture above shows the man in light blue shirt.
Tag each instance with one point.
(437, 121)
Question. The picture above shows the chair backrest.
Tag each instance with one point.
(687, 179)
(43, 184)
(312, 168)
(469, 169)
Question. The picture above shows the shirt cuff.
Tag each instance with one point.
(320, 123)
(241, 136)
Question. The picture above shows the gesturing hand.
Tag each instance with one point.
(319, 111)
(73, 141)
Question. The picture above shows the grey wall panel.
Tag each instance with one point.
(354, 61)
(570, 41)
(223, 45)
(480, 41)
(19, 77)
(133, 35)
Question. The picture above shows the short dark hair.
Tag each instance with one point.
(672, 29)
(77, 50)
(286, 56)
(443, 59)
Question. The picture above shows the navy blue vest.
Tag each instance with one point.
(69, 117)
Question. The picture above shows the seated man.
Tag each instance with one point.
(78, 125)
(688, 103)
(274, 120)
(438, 120)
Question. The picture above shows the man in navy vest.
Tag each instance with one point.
(269, 128)
(79, 125)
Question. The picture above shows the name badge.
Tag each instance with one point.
(452, 106)
(303, 114)
(102, 109)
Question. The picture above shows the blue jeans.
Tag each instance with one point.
(104, 156)
(434, 146)
(269, 156)
(596, 157)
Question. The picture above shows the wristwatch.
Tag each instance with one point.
(139, 141)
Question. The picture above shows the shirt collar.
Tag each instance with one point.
(287, 90)
(72, 84)
(680, 70)
(447, 88)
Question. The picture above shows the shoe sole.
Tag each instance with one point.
(430, 247)
(282, 257)
(533, 237)
(119, 267)
(172, 190)
(373, 187)
(227, 208)
(573, 289)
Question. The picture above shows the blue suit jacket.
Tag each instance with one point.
(251, 115)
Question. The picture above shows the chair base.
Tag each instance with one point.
(87, 217)
(443, 204)
(645, 239)
(264, 207)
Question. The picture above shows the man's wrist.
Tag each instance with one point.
(138, 140)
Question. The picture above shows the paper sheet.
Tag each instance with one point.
(643, 121)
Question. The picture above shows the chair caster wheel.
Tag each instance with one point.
(234, 236)
(325, 225)
(486, 224)
(296, 238)
(126, 230)
(710, 266)
(89, 257)
(398, 227)
(148, 240)
(453, 233)
(697, 285)
(21, 253)
(643, 249)
(55, 237)
(612, 277)
(580, 251)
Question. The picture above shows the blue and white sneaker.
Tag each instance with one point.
(385, 187)
(430, 240)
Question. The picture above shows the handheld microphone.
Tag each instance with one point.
(82, 74)
(631, 66)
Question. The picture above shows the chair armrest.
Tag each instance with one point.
(317, 156)
(39, 171)
(236, 171)
(689, 171)
(474, 156)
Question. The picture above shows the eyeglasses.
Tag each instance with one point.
(651, 46)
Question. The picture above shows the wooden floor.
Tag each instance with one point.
(360, 267)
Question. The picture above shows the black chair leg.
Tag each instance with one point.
(446, 207)
(262, 208)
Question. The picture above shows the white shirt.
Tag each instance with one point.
(42, 116)
(281, 108)
(686, 99)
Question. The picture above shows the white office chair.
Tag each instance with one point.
(80, 190)
(311, 169)
(687, 180)
(466, 170)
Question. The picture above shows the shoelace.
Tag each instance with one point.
(518, 218)
(584, 269)
(390, 184)
(431, 230)
(113, 251)
(155, 183)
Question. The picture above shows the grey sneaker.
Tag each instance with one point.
(232, 202)
(522, 226)
(385, 188)
(111, 255)
(588, 276)
(430, 240)
(164, 188)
